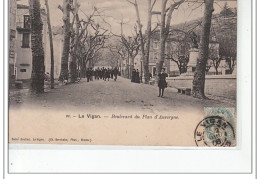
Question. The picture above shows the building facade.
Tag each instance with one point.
(12, 39)
(23, 65)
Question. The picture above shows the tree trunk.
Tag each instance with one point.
(141, 39)
(199, 76)
(66, 43)
(165, 27)
(73, 64)
(148, 42)
(51, 43)
(163, 37)
(83, 69)
(131, 66)
(38, 68)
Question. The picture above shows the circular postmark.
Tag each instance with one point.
(214, 131)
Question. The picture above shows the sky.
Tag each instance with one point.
(116, 11)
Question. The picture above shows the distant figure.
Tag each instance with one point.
(112, 73)
(88, 74)
(99, 73)
(108, 73)
(104, 74)
(137, 76)
(91, 74)
(103, 71)
(115, 71)
(96, 74)
(162, 84)
(133, 75)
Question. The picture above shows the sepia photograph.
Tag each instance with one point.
(123, 72)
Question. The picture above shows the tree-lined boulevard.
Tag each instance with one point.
(116, 96)
(89, 43)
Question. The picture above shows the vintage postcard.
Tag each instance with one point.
(123, 72)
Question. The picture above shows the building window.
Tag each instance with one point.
(22, 70)
(26, 40)
(26, 22)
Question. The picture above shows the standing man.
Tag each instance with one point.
(162, 84)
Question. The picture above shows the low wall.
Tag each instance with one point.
(217, 85)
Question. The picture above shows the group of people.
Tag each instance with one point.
(107, 73)
(102, 73)
(135, 76)
(162, 84)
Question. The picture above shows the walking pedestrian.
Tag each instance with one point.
(115, 73)
(88, 74)
(112, 73)
(162, 84)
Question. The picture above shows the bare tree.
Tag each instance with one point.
(216, 62)
(181, 61)
(145, 47)
(38, 68)
(231, 62)
(120, 51)
(199, 76)
(178, 48)
(51, 43)
(92, 38)
(215, 58)
(132, 45)
(165, 28)
(228, 50)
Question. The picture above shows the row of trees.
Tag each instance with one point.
(83, 39)
(167, 9)
(166, 12)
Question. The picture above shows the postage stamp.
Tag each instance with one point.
(216, 129)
